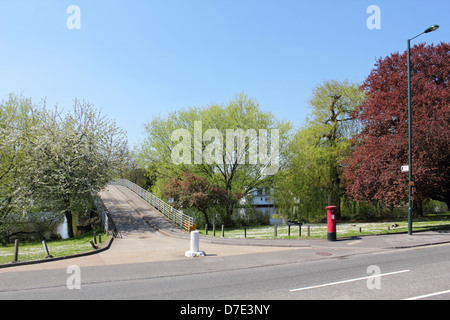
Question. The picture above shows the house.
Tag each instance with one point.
(260, 198)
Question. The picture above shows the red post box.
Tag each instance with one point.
(331, 219)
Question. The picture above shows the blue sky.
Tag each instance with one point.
(138, 59)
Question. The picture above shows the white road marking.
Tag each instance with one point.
(428, 295)
(347, 281)
(351, 243)
(413, 248)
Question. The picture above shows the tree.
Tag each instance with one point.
(72, 159)
(53, 163)
(75, 158)
(136, 174)
(373, 171)
(195, 192)
(313, 178)
(232, 146)
(18, 120)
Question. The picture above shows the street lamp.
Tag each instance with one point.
(410, 180)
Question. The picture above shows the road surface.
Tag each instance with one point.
(409, 273)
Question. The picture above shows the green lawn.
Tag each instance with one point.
(59, 248)
(342, 229)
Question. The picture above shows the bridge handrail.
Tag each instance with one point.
(107, 222)
(178, 217)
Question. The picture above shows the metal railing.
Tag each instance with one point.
(178, 217)
(107, 223)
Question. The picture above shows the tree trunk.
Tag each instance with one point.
(334, 198)
(417, 208)
(206, 218)
(69, 219)
(447, 202)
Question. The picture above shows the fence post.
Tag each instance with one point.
(44, 244)
(275, 227)
(16, 251)
(93, 245)
(223, 231)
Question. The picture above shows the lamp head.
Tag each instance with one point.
(432, 28)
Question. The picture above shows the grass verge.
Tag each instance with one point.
(319, 231)
(31, 251)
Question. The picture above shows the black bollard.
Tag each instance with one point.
(16, 251)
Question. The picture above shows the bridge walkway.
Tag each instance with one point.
(134, 217)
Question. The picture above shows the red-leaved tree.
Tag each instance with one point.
(372, 173)
(193, 191)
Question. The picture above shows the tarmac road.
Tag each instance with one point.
(296, 274)
(149, 263)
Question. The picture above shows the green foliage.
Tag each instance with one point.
(55, 163)
(311, 181)
(195, 192)
(230, 174)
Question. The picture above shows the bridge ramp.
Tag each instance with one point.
(134, 217)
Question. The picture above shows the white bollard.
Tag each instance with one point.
(195, 251)
(195, 237)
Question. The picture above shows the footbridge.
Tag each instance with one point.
(137, 213)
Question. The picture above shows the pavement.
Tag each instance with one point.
(145, 235)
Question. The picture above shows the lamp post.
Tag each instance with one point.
(410, 180)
